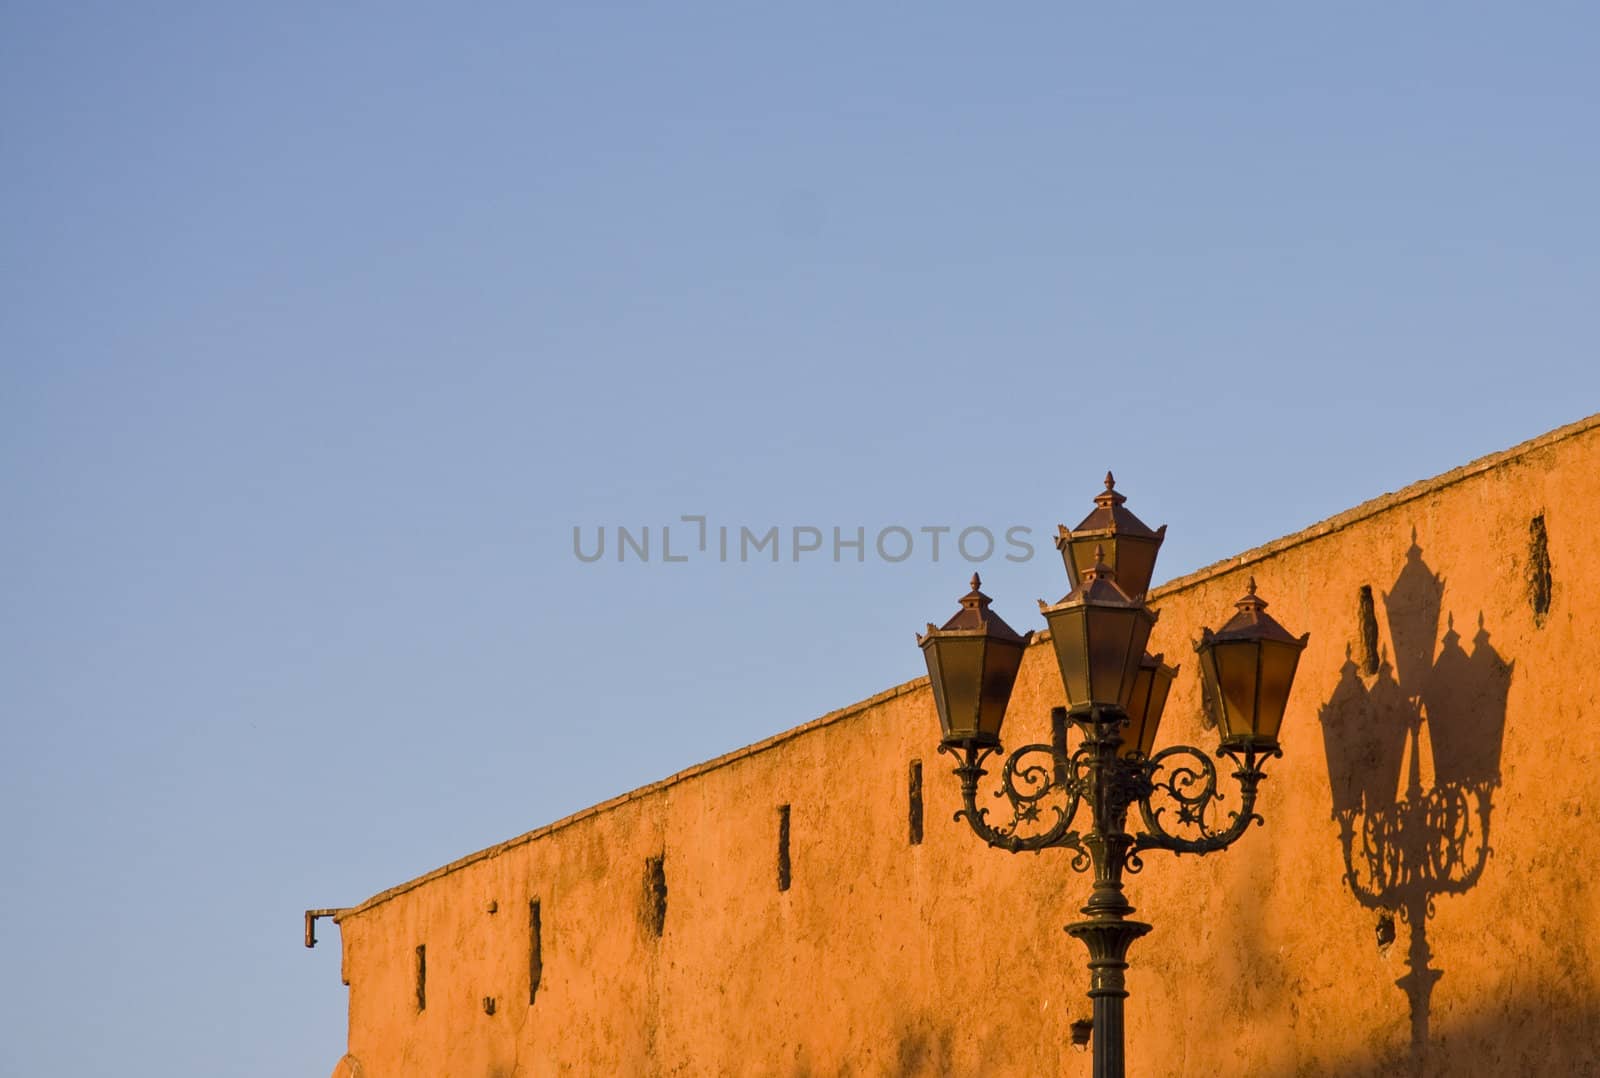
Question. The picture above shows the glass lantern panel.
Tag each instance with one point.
(955, 666)
(1117, 637)
(1211, 695)
(1000, 664)
(1136, 563)
(1067, 634)
(1082, 551)
(1069, 563)
(1109, 630)
(1278, 662)
(930, 655)
(1237, 664)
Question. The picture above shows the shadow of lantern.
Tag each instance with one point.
(1408, 837)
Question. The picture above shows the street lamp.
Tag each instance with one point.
(1115, 695)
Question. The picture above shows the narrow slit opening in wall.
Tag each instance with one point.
(655, 893)
(1368, 618)
(784, 874)
(1539, 581)
(422, 977)
(914, 795)
(535, 950)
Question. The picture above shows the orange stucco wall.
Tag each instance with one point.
(887, 958)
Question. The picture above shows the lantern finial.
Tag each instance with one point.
(1110, 498)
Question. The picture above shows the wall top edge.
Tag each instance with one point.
(1372, 507)
(696, 770)
(1326, 527)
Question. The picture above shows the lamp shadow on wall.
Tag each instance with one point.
(1413, 743)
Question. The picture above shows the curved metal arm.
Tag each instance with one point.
(1026, 786)
(1192, 787)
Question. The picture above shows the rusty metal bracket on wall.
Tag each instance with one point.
(311, 922)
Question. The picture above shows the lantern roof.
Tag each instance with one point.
(975, 617)
(1098, 586)
(1252, 622)
(1109, 516)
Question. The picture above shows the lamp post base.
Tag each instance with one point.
(1108, 939)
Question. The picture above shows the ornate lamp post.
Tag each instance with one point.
(1115, 695)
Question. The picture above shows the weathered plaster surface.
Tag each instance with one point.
(947, 958)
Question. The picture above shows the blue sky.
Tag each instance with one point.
(321, 330)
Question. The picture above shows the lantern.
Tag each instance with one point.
(1248, 667)
(972, 666)
(1099, 635)
(1149, 698)
(1130, 547)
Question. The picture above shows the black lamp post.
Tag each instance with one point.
(1115, 695)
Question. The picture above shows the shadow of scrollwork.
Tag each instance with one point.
(1408, 836)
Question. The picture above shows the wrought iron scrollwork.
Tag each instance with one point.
(1184, 779)
(1043, 788)
(1176, 792)
(1036, 791)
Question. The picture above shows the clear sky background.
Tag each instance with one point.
(322, 327)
